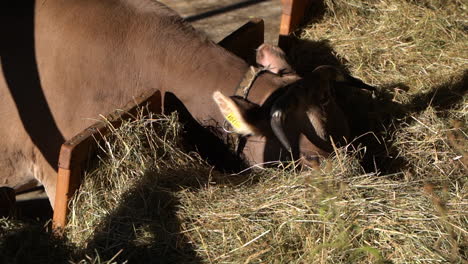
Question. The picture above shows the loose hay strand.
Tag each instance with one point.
(149, 201)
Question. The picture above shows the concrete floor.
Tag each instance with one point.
(218, 18)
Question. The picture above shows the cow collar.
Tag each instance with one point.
(246, 83)
(242, 90)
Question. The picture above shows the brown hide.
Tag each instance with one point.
(64, 63)
(302, 115)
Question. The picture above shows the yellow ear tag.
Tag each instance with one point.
(231, 112)
(234, 121)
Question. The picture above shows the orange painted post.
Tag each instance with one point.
(76, 152)
(293, 12)
(62, 196)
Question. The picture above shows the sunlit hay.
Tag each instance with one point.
(435, 146)
(338, 213)
(334, 214)
(285, 217)
(413, 43)
(134, 158)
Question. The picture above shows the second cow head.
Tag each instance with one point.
(302, 116)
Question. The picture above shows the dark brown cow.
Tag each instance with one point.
(66, 62)
(302, 115)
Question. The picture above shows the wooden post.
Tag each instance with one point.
(291, 18)
(75, 154)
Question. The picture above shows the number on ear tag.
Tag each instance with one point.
(232, 113)
(234, 121)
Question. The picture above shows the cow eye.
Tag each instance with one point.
(311, 158)
(311, 161)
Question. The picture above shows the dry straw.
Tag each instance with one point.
(149, 201)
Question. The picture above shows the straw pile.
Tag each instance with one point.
(149, 201)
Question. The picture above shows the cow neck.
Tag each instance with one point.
(243, 89)
(202, 69)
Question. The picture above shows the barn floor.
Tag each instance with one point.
(218, 18)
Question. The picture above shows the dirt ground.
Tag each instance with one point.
(218, 18)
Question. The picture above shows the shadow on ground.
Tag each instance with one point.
(374, 117)
(145, 228)
(31, 242)
(145, 225)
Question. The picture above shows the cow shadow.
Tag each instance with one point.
(374, 116)
(31, 242)
(146, 228)
(37, 209)
(20, 70)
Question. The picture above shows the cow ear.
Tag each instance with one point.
(274, 59)
(240, 113)
(327, 75)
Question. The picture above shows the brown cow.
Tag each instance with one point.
(301, 115)
(65, 62)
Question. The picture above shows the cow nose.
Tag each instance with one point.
(311, 161)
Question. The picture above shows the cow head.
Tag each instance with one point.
(300, 118)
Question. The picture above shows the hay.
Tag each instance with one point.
(334, 214)
(339, 214)
(149, 201)
(415, 52)
(121, 201)
(415, 43)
